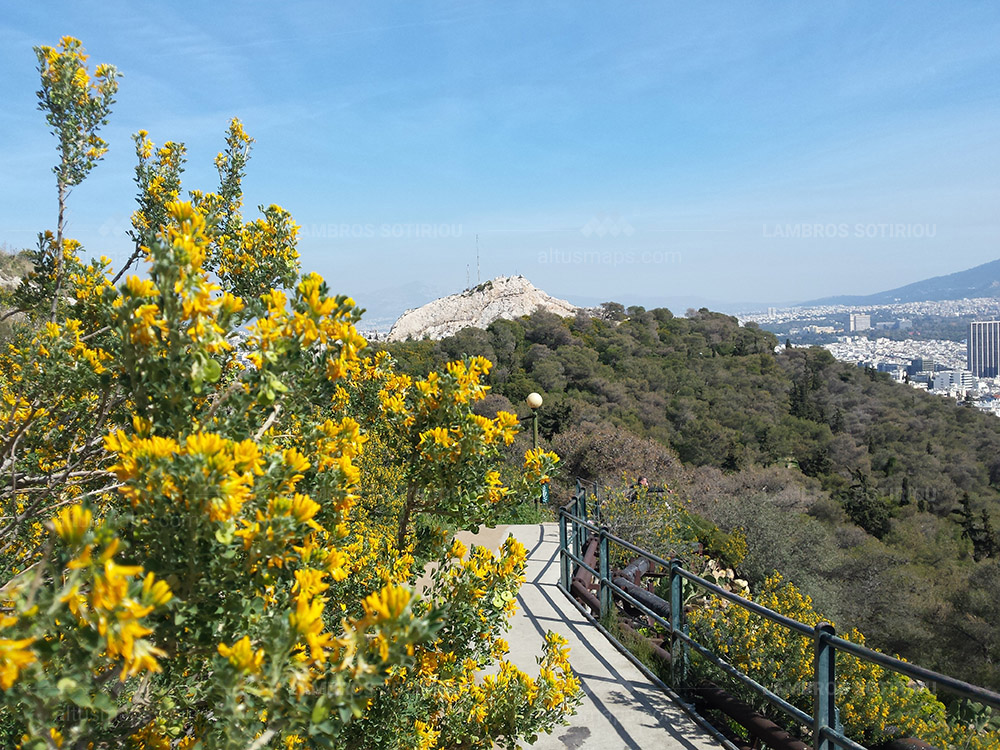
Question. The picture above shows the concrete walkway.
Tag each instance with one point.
(621, 708)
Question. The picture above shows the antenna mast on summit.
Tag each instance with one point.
(478, 279)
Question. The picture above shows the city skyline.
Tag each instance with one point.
(727, 153)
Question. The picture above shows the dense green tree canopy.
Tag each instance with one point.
(880, 500)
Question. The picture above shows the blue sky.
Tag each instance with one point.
(642, 152)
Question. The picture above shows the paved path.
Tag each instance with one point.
(621, 708)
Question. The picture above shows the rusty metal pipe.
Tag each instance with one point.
(906, 743)
(636, 569)
(582, 575)
(586, 596)
(758, 726)
(655, 603)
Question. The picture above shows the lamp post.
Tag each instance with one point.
(534, 402)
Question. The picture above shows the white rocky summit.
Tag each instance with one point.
(506, 297)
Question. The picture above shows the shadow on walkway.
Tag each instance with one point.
(621, 708)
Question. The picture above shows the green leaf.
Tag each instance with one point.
(212, 371)
(105, 703)
(224, 535)
(320, 710)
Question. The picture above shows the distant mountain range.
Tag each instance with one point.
(981, 281)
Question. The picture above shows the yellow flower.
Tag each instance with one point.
(141, 658)
(309, 582)
(14, 656)
(230, 304)
(155, 593)
(303, 509)
(307, 617)
(457, 549)
(137, 287)
(387, 604)
(242, 656)
(75, 600)
(72, 523)
(205, 444)
(247, 457)
(427, 736)
(439, 435)
(146, 322)
(296, 461)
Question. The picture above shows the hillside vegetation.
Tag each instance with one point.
(878, 500)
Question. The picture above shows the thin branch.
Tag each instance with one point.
(267, 424)
(128, 264)
(262, 740)
(37, 580)
(52, 482)
(34, 506)
(5, 589)
(221, 398)
(20, 430)
(10, 313)
(95, 333)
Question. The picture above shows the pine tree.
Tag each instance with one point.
(990, 544)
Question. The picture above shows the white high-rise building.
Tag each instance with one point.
(984, 348)
(860, 321)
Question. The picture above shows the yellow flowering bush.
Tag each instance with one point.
(474, 591)
(656, 520)
(875, 704)
(216, 506)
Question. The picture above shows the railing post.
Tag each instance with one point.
(604, 568)
(564, 566)
(824, 686)
(678, 650)
(577, 529)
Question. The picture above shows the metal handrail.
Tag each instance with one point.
(917, 672)
(827, 732)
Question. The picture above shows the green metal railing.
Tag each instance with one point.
(576, 530)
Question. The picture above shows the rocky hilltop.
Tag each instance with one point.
(503, 297)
